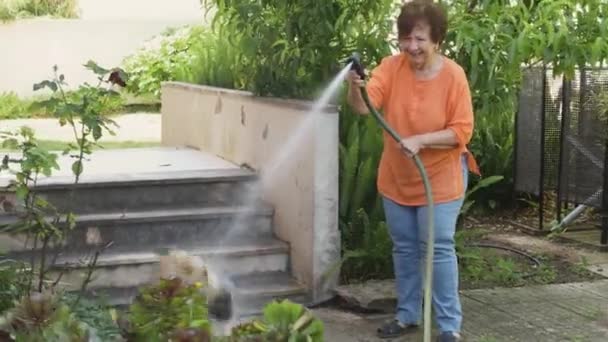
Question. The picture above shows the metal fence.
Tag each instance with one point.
(561, 142)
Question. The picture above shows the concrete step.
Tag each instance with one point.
(250, 293)
(154, 190)
(157, 228)
(121, 270)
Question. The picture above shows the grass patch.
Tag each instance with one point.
(484, 267)
(20, 9)
(53, 145)
(15, 107)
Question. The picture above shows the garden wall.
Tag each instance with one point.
(303, 187)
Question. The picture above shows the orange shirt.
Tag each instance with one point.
(411, 107)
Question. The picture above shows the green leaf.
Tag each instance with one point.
(596, 50)
(96, 132)
(77, 167)
(91, 65)
(281, 314)
(466, 207)
(45, 84)
(364, 185)
(349, 173)
(22, 191)
(11, 144)
(485, 182)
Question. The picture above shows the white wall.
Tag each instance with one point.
(107, 32)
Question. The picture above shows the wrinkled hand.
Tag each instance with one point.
(411, 146)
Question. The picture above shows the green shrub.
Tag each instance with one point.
(43, 316)
(13, 283)
(489, 40)
(160, 311)
(213, 61)
(293, 48)
(190, 54)
(96, 315)
(17, 9)
(281, 321)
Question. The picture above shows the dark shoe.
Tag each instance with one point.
(449, 337)
(395, 329)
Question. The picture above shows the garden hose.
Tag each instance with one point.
(358, 67)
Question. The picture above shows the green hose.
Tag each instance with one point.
(430, 219)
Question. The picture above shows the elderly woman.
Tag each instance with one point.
(425, 97)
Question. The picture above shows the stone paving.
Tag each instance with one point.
(563, 312)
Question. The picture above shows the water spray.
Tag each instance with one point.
(357, 66)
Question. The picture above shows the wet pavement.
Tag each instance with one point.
(562, 312)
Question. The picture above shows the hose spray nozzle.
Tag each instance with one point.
(355, 59)
(220, 304)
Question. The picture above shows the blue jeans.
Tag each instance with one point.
(408, 230)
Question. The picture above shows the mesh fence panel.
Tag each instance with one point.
(585, 133)
(573, 160)
(527, 130)
(553, 97)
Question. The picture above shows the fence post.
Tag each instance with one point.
(604, 215)
(541, 185)
(566, 92)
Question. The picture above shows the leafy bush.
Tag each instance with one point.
(165, 309)
(96, 315)
(42, 317)
(16, 9)
(13, 283)
(492, 40)
(42, 313)
(282, 321)
(365, 237)
(191, 54)
(292, 48)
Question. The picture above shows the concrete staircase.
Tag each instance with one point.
(192, 211)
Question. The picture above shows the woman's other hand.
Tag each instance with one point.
(411, 145)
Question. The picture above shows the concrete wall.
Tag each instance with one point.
(159, 10)
(300, 176)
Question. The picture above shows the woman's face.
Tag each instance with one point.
(419, 46)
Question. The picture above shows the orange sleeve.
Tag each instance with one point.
(460, 118)
(378, 83)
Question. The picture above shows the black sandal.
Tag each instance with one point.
(395, 329)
